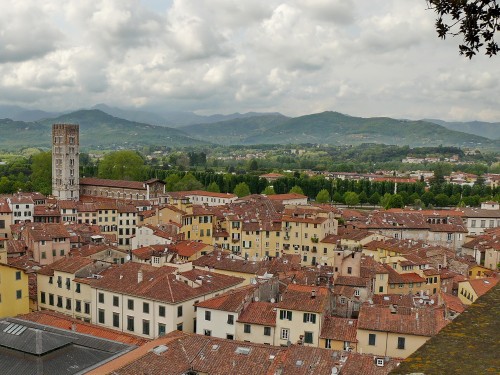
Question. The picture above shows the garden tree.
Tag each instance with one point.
(323, 196)
(241, 190)
(427, 198)
(351, 198)
(122, 165)
(253, 165)
(197, 158)
(441, 200)
(41, 172)
(413, 198)
(418, 204)
(374, 199)
(337, 197)
(476, 21)
(297, 190)
(6, 185)
(385, 201)
(396, 201)
(440, 171)
(171, 180)
(269, 190)
(188, 183)
(213, 187)
(363, 198)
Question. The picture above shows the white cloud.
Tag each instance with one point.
(363, 57)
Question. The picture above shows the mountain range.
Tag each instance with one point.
(108, 127)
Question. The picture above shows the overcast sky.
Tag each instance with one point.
(359, 57)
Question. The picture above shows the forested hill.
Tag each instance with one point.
(97, 129)
(338, 129)
(490, 130)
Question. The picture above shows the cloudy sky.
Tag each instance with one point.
(359, 57)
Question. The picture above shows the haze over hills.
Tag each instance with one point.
(100, 129)
(489, 130)
(97, 129)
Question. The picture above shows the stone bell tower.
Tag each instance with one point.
(65, 161)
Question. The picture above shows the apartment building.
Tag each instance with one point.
(151, 301)
(14, 292)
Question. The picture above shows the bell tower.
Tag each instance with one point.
(65, 161)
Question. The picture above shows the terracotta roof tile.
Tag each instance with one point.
(304, 298)
(232, 301)
(137, 185)
(340, 329)
(262, 313)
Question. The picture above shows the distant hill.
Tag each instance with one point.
(97, 129)
(489, 130)
(235, 131)
(173, 119)
(17, 113)
(336, 129)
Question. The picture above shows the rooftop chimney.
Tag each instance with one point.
(139, 276)
(313, 293)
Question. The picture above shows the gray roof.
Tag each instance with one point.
(31, 348)
(481, 213)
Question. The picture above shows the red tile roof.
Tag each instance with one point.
(137, 185)
(340, 329)
(232, 301)
(481, 286)
(67, 264)
(58, 320)
(300, 297)
(262, 313)
(421, 322)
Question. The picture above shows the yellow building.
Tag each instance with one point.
(393, 332)
(197, 224)
(14, 292)
(470, 290)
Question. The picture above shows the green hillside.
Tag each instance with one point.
(97, 129)
(335, 129)
(236, 131)
(489, 130)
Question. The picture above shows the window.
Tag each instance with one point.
(381, 289)
(19, 294)
(179, 312)
(309, 318)
(130, 323)
(357, 292)
(78, 306)
(18, 275)
(100, 297)
(87, 308)
(51, 299)
(230, 319)
(401, 342)
(42, 297)
(161, 311)
(247, 328)
(267, 331)
(308, 337)
(179, 327)
(68, 303)
(208, 315)
(371, 339)
(145, 308)
(77, 287)
(473, 225)
(130, 304)
(116, 320)
(100, 316)
(162, 329)
(284, 334)
(207, 332)
(229, 337)
(349, 270)
(285, 315)
(116, 302)
(59, 301)
(328, 343)
(145, 327)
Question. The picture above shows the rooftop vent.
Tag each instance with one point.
(243, 350)
(160, 349)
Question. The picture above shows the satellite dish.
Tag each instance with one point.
(420, 300)
(128, 257)
(335, 370)
(432, 302)
(273, 300)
